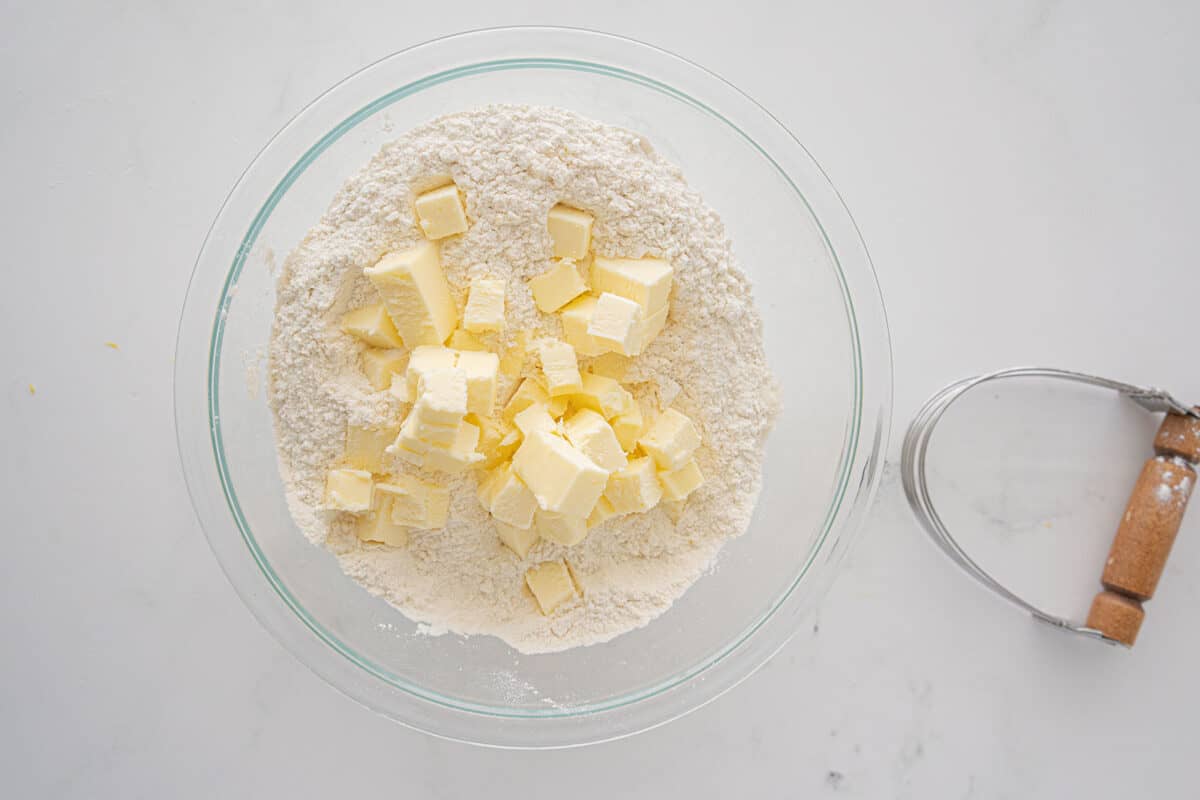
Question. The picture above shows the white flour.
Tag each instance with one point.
(513, 164)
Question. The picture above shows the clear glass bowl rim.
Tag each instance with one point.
(285, 618)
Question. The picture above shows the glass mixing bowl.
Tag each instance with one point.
(826, 339)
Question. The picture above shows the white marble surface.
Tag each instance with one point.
(1024, 174)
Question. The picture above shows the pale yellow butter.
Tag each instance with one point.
(576, 316)
(417, 296)
(679, 483)
(557, 286)
(560, 368)
(519, 540)
(365, 446)
(535, 418)
(441, 399)
(410, 446)
(563, 529)
(460, 454)
(561, 478)
(528, 392)
(646, 281)
(602, 512)
(440, 212)
(405, 499)
(485, 305)
(602, 394)
(380, 365)
(379, 527)
(399, 389)
(349, 490)
(628, 426)
(464, 340)
(671, 439)
(551, 584)
(610, 365)
(571, 231)
(425, 358)
(481, 370)
(634, 489)
(373, 325)
(510, 500)
(616, 324)
(591, 434)
(651, 328)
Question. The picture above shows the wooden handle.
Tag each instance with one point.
(1147, 530)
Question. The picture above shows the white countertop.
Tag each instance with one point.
(1025, 177)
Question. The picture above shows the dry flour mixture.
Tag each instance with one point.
(511, 166)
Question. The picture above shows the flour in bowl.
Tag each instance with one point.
(511, 165)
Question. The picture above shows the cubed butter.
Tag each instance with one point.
(576, 316)
(460, 454)
(485, 306)
(535, 418)
(510, 499)
(610, 365)
(635, 488)
(440, 212)
(465, 340)
(425, 358)
(561, 478)
(409, 445)
(399, 389)
(528, 392)
(519, 540)
(560, 368)
(349, 490)
(417, 296)
(481, 369)
(405, 499)
(551, 584)
(646, 281)
(591, 434)
(365, 446)
(671, 440)
(441, 399)
(378, 526)
(557, 286)
(602, 394)
(491, 438)
(563, 529)
(628, 426)
(380, 365)
(601, 513)
(571, 231)
(617, 324)
(513, 359)
(677, 484)
(652, 327)
(372, 325)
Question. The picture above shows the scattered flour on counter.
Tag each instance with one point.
(512, 164)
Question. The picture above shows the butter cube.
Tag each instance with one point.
(440, 212)
(379, 527)
(646, 281)
(513, 360)
(673, 509)
(373, 325)
(426, 358)
(380, 365)
(635, 488)
(602, 512)
(571, 231)
(441, 399)
(459, 454)
(563, 529)
(365, 446)
(399, 389)
(576, 316)
(349, 490)
(416, 294)
(628, 426)
(610, 365)
(520, 541)
(528, 392)
(409, 445)
(603, 395)
(462, 340)
(556, 287)
(551, 584)
(671, 440)
(617, 324)
(510, 500)
(561, 478)
(591, 434)
(560, 368)
(485, 305)
(481, 369)
(679, 483)
(485, 489)
(491, 440)
(405, 499)
(535, 418)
